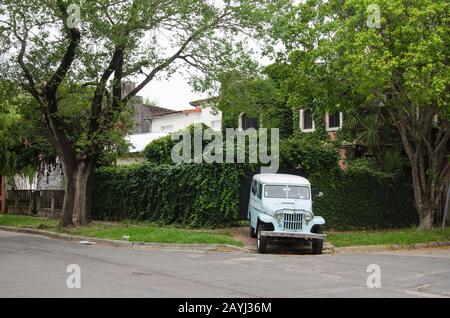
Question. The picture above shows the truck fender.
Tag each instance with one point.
(265, 218)
(318, 220)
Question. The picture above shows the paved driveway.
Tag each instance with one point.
(35, 266)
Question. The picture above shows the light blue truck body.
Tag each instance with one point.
(289, 217)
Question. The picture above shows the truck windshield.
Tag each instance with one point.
(286, 192)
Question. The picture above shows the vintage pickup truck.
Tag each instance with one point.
(280, 206)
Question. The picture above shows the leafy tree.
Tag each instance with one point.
(348, 58)
(257, 97)
(8, 118)
(24, 143)
(65, 63)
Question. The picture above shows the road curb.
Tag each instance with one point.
(119, 243)
(391, 247)
(328, 249)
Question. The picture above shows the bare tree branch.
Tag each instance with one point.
(193, 62)
(105, 11)
(30, 87)
(66, 61)
(96, 105)
(158, 68)
(177, 54)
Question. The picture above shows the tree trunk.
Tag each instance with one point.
(423, 185)
(77, 197)
(66, 218)
(425, 217)
(423, 191)
(77, 171)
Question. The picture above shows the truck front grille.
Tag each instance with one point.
(292, 221)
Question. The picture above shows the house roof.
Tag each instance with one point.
(280, 178)
(155, 111)
(160, 111)
(202, 102)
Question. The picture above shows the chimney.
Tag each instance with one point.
(127, 87)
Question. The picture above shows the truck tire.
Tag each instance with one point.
(261, 241)
(251, 231)
(317, 247)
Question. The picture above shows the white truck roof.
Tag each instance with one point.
(280, 178)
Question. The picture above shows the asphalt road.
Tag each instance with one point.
(34, 266)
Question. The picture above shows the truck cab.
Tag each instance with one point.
(280, 206)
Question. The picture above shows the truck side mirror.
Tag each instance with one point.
(316, 193)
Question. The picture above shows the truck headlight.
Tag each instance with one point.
(308, 216)
(278, 216)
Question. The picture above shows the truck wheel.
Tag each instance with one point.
(261, 241)
(251, 231)
(317, 246)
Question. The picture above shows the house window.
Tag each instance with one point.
(216, 124)
(246, 122)
(167, 128)
(333, 121)
(306, 120)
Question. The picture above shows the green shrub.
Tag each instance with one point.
(159, 150)
(393, 161)
(310, 154)
(192, 195)
(362, 198)
(363, 164)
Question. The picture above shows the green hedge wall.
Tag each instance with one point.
(364, 199)
(207, 195)
(159, 151)
(192, 195)
(308, 153)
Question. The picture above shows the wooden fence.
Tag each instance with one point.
(47, 203)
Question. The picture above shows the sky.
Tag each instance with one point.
(174, 93)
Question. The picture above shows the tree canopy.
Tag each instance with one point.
(24, 143)
(72, 57)
(392, 55)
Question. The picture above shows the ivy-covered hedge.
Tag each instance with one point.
(159, 151)
(308, 153)
(192, 195)
(362, 198)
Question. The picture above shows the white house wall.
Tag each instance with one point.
(179, 121)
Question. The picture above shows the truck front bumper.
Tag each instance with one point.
(293, 235)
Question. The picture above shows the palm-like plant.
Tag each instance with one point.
(372, 129)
